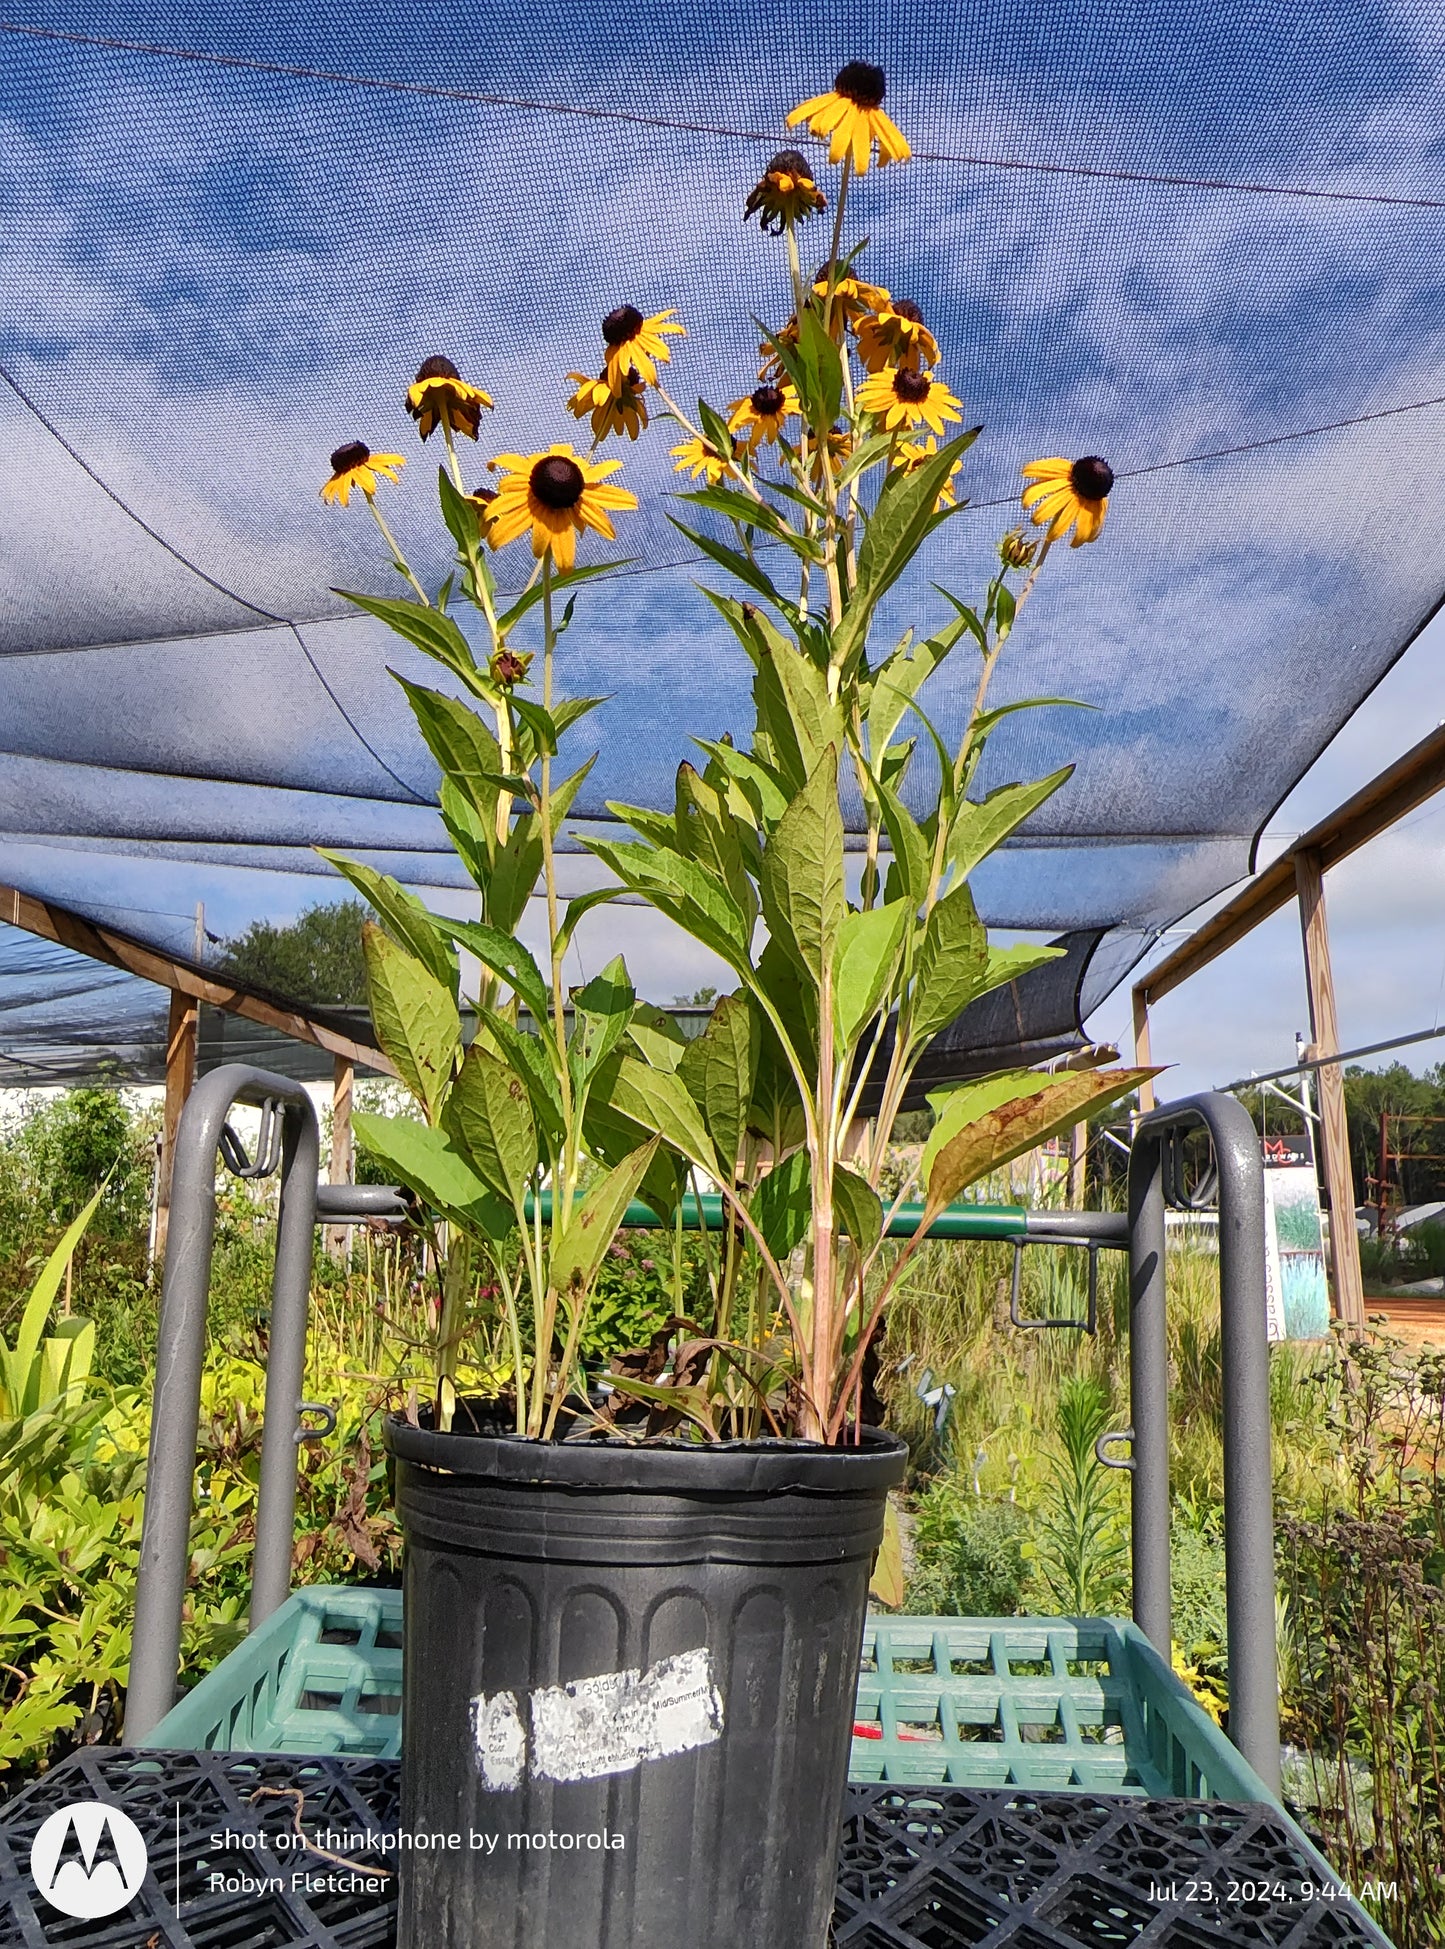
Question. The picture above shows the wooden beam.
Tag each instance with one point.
(1349, 1291)
(52, 923)
(1078, 1163)
(343, 1151)
(1418, 776)
(1142, 1057)
(181, 1041)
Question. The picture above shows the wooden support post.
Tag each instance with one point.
(181, 1038)
(1142, 1057)
(1078, 1160)
(1349, 1291)
(343, 1150)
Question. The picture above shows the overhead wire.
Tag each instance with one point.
(341, 77)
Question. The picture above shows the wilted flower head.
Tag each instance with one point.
(786, 192)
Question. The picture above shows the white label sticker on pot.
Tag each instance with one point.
(598, 1726)
(501, 1740)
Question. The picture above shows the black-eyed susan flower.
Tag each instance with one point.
(853, 299)
(439, 396)
(786, 192)
(901, 399)
(1069, 494)
(761, 414)
(911, 456)
(1015, 550)
(635, 341)
(896, 335)
(851, 118)
(556, 494)
(840, 447)
(355, 465)
(613, 407)
(700, 460)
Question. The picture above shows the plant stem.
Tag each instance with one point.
(396, 555)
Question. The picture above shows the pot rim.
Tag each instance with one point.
(770, 1464)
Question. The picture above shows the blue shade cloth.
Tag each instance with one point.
(1204, 244)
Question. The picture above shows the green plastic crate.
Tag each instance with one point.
(1057, 1703)
(1086, 1704)
(321, 1675)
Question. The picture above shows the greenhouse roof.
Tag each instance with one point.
(1203, 244)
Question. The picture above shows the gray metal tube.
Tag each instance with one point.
(1248, 1460)
(358, 1202)
(285, 1362)
(180, 1355)
(1149, 1392)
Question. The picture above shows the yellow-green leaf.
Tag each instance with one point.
(415, 1018)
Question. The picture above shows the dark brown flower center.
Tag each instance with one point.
(790, 162)
(767, 401)
(1091, 478)
(905, 308)
(487, 494)
(558, 482)
(622, 324)
(861, 83)
(349, 456)
(436, 367)
(912, 387)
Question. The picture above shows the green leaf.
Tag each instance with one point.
(434, 634)
(515, 870)
(745, 569)
(899, 680)
(912, 854)
(473, 835)
(982, 1126)
(901, 521)
(656, 1037)
(756, 782)
(802, 882)
(489, 1120)
(603, 1011)
(424, 1161)
(657, 1100)
(714, 428)
(718, 1069)
(679, 887)
(22, 1370)
(564, 793)
(986, 720)
(782, 1205)
(412, 924)
(505, 956)
(415, 1017)
(867, 961)
(738, 507)
(529, 598)
(822, 368)
(815, 720)
(857, 1208)
(459, 741)
(529, 1058)
(950, 966)
(1007, 964)
(980, 826)
(579, 905)
(593, 1224)
(708, 833)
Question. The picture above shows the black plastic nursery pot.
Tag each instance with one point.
(629, 1679)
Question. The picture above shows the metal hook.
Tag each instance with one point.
(268, 1145)
(1115, 1461)
(1090, 1321)
(328, 1421)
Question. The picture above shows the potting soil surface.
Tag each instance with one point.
(919, 1867)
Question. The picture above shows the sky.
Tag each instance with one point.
(210, 274)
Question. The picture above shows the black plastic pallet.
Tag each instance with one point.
(919, 1868)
